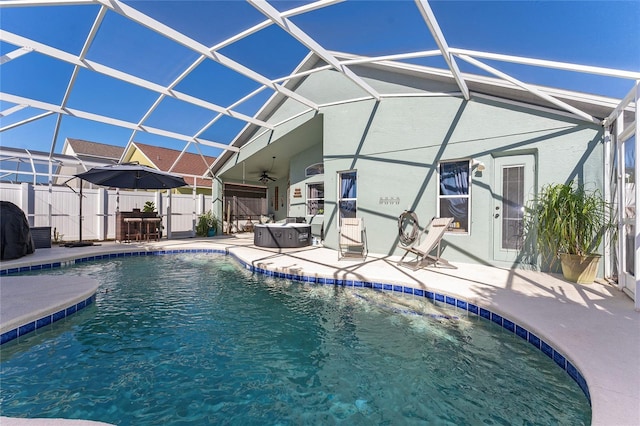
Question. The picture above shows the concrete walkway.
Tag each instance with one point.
(594, 326)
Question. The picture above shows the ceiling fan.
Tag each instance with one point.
(264, 177)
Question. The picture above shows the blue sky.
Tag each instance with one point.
(597, 33)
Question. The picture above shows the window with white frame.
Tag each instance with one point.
(315, 199)
(314, 169)
(454, 194)
(347, 193)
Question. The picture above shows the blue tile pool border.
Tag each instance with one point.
(453, 302)
(46, 320)
(509, 325)
(32, 326)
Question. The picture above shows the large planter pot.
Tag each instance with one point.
(579, 269)
(211, 232)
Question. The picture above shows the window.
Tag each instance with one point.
(315, 198)
(453, 194)
(513, 182)
(314, 169)
(347, 193)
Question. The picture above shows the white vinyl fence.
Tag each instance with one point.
(59, 208)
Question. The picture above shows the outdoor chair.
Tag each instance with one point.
(428, 241)
(134, 228)
(352, 238)
(153, 228)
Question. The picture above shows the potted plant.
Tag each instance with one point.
(149, 207)
(207, 225)
(569, 223)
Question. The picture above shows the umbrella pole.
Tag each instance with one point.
(80, 243)
(80, 218)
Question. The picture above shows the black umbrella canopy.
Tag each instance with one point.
(131, 176)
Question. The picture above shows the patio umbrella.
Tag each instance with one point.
(130, 176)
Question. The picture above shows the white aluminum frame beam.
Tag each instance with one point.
(24, 3)
(221, 45)
(237, 37)
(204, 161)
(11, 110)
(178, 37)
(19, 154)
(106, 120)
(436, 32)
(264, 24)
(624, 104)
(74, 75)
(219, 116)
(396, 57)
(179, 157)
(579, 113)
(422, 69)
(293, 30)
(169, 88)
(14, 54)
(636, 293)
(128, 78)
(358, 59)
(28, 120)
(566, 66)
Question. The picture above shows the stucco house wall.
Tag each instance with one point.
(396, 144)
(299, 182)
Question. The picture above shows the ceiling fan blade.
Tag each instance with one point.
(264, 178)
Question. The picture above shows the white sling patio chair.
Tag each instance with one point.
(352, 238)
(426, 243)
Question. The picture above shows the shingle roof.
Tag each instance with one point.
(94, 149)
(189, 165)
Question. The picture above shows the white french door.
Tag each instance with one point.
(627, 215)
(514, 179)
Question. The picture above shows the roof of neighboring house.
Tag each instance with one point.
(83, 148)
(190, 164)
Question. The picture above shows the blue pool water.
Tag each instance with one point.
(196, 339)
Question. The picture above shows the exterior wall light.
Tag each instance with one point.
(478, 165)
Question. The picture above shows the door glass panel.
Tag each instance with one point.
(512, 207)
(630, 204)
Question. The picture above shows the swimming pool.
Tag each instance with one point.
(194, 338)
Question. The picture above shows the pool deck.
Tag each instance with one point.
(595, 326)
(25, 300)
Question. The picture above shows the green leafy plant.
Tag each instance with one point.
(149, 207)
(206, 222)
(567, 218)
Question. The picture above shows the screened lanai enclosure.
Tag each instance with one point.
(412, 105)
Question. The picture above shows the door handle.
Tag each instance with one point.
(497, 215)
